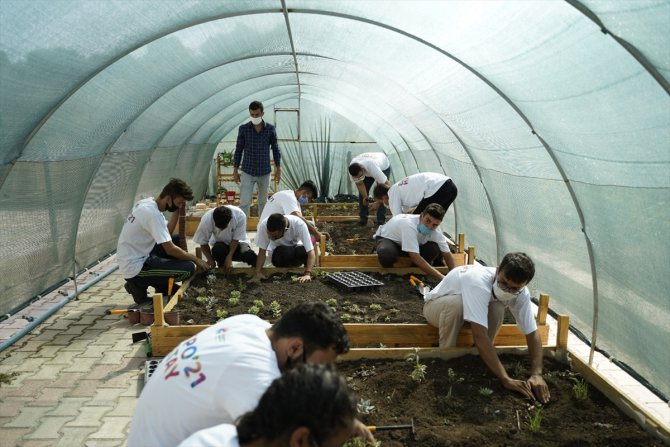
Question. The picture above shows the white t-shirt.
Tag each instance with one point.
(210, 379)
(406, 194)
(475, 285)
(374, 163)
(224, 435)
(296, 234)
(402, 229)
(282, 202)
(144, 227)
(208, 233)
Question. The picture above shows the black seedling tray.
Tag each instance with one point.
(354, 281)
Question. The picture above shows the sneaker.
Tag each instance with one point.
(140, 296)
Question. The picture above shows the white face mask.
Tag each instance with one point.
(501, 295)
(256, 120)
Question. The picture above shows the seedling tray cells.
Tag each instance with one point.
(354, 281)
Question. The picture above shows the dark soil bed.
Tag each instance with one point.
(332, 210)
(394, 302)
(348, 238)
(450, 409)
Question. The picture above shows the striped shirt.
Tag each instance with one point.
(255, 146)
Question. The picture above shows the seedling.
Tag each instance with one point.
(365, 406)
(332, 302)
(375, 306)
(419, 371)
(535, 419)
(211, 278)
(221, 313)
(317, 272)
(387, 319)
(241, 285)
(201, 299)
(275, 307)
(233, 301)
(346, 317)
(453, 379)
(254, 310)
(483, 391)
(295, 278)
(519, 370)
(258, 303)
(235, 294)
(580, 388)
(394, 311)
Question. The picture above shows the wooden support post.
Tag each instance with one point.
(562, 335)
(158, 310)
(461, 243)
(314, 211)
(543, 307)
(322, 249)
(471, 255)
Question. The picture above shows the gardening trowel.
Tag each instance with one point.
(419, 285)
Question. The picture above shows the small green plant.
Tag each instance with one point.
(235, 294)
(394, 311)
(332, 302)
(580, 388)
(275, 307)
(453, 379)
(387, 319)
(534, 418)
(519, 370)
(483, 391)
(211, 278)
(233, 301)
(358, 442)
(241, 285)
(375, 306)
(221, 313)
(345, 317)
(258, 303)
(317, 272)
(201, 299)
(295, 278)
(419, 371)
(365, 406)
(254, 310)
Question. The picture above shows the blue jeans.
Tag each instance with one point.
(247, 191)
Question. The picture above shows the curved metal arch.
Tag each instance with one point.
(632, 49)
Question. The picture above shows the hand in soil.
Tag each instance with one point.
(520, 386)
(361, 431)
(539, 387)
(257, 277)
(305, 278)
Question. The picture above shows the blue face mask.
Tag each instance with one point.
(303, 200)
(424, 229)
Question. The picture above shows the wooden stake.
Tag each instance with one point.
(158, 310)
(461, 243)
(543, 307)
(471, 255)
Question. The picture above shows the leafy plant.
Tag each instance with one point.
(394, 311)
(332, 302)
(295, 278)
(201, 299)
(365, 406)
(453, 379)
(387, 319)
(233, 301)
(317, 272)
(254, 310)
(483, 391)
(375, 306)
(419, 371)
(275, 307)
(211, 278)
(258, 303)
(235, 294)
(345, 317)
(534, 419)
(241, 285)
(519, 370)
(580, 388)
(221, 313)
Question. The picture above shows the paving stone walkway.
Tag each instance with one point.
(79, 375)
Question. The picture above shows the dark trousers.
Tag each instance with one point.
(445, 196)
(284, 256)
(243, 253)
(363, 211)
(388, 252)
(157, 271)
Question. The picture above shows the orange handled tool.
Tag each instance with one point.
(413, 280)
(376, 428)
(170, 285)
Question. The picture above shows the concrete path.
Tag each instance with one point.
(78, 375)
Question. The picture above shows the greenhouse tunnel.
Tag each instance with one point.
(552, 117)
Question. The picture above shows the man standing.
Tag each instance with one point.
(415, 236)
(288, 239)
(479, 295)
(365, 169)
(226, 228)
(289, 202)
(146, 253)
(254, 141)
(221, 373)
(413, 194)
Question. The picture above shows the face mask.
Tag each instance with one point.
(303, 200)
(256, 120)
(501, 295)
(172, 208)
(424, 229)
